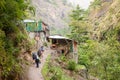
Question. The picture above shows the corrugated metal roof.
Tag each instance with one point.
(58, 37)
(28, 20)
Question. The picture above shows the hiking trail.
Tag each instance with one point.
(35, 73)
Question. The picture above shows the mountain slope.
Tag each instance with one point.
(52, 12)
(105, 17)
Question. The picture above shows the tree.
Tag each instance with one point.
(79, 25)
(12, 34)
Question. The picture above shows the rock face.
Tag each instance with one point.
(105, 17)
(52, 12)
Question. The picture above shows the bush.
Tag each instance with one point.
(71, 65)
(62, 58)
(79, 67)
(52, 72)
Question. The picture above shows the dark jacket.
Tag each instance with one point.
(34, 56)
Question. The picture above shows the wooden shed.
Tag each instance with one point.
(39, 26)
(62, 44)
(37, 30)
(40, 29)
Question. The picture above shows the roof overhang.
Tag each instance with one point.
(61, 38)
(28, 20)
(58, 37)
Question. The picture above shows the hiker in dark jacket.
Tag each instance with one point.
(34, 56)
(39, 53)
(37, 61)
(42, 49)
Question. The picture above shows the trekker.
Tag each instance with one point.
(37, 61)
(39, 53)
(42, 49)
(34, 56)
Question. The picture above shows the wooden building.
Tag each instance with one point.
(37, 29)
(63, 45)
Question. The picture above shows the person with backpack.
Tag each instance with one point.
(39, 53)
(37, 61)
(34, 56)
(42, 49)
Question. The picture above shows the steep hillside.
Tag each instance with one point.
(14, 40)
(52, 12)
(105, 17)
(106, 31)
(100, 52)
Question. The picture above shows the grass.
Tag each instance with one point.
(45, 69)
(71, 65)
(53, 72)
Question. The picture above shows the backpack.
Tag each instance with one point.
(37, 60)
(39, 53)
(42, 48)
(34, 56)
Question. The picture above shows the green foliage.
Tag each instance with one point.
(63, 58)
(77, 14)
(2, 44)
(72, 65)
(100, 59)
(79, 67)
(101, 56)
(53, 72)
(79, 25)
(97, 56)
(95, 4)
(12, 35)
(57, 73)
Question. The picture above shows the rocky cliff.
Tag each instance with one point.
(53, 12)
(104, 16)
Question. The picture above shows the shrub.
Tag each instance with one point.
(63, 58)
(71, 65)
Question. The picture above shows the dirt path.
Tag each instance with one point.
(35, 73)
